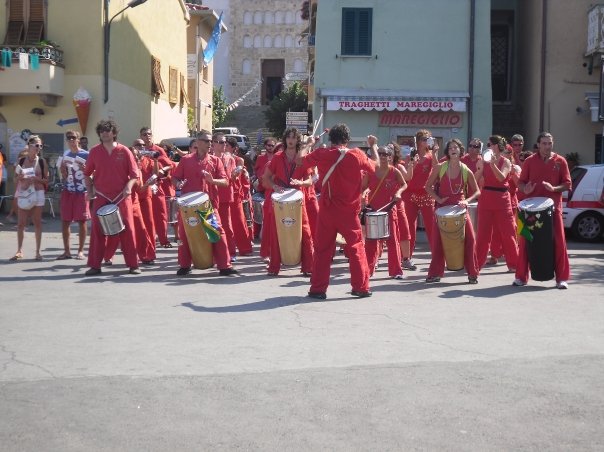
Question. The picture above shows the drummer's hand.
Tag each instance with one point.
(293, 181)
(208, 177)
(396, 198)
(442, 200)
(463, 203)
(548, 186)
(127, 191)
(529, 187)
(277, 188)
(372, 140)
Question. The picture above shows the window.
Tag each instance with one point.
(247, 42)
(269, 17)
(258, 18)
(289, 41)
(502, 29)
(299, 65)
(279, 17)
(246, 67)
(278, 41)
(356, 31)
(248, 18)
(289, 17)
(257, 41)
(26, 22)
(268, 42)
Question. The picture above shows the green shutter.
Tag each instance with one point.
(356, 31)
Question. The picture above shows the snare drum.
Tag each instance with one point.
(247, 212)
(376, 225)
(199, 245)
(258, 204)
(110, 219)
(287, 206)
(452, 225)
(172, 209)
(537, 216)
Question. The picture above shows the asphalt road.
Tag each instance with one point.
(155, 362)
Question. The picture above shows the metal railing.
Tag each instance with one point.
(47, 54)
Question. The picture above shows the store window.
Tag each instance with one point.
(356, 31)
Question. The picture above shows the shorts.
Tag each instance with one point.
(74, 206)
(40, 197)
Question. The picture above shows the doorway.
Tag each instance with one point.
(273, 72)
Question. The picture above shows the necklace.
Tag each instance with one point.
(450, 185)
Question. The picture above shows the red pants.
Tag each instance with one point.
(312, 210)
(220, 250)
(225, 209)
(267, 226)
(496, 247)
(412, 210)
(503, 221)
(373, 250)
(145, 247)
(561, 263)
(307, 246)
(403, 225)
(241, 233)
(330, 221)
(160, 217)
(146, 209)
(98, 240)
(470, 263)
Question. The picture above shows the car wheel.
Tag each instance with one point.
(588, 227)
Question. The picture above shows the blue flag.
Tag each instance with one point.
(210, 49)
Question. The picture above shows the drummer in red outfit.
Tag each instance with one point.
(240, 182)
(404, 234)
(452, 191)
(282, 172)
(415, 197)
(339, 209)
(495, 205)
(161, 168)
(225, 194)
(145, 246)
(385, 186)
(473, 156)
(259, 166)
(112, 167)
(546, 174)
(202, 172)
(267, 209)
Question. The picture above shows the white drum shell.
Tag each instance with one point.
(376, 225)
(110, 219)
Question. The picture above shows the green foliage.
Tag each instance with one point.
(293, 98)
(219, 107)
(191, 124)
(573, 157)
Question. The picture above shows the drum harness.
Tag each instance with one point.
(368, 207)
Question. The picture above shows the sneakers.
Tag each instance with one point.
(183, 271)
(361, 293)
(317, 295)
(518, 283)
(135, 271)
(92, 272)
(233, 258)
(473, 279)
(432, 279)
(397, 277)
(562, 285)
(408, 264)
(228, 271)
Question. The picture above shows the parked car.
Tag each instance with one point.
(242, 141)
(181, 143)
(226, 130)
(583, 207)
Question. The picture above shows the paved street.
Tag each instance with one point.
(155, 362)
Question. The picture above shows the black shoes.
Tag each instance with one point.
(361, 293)
(317, 295)
(183, 271)
(92, 272)
(228, 271)
(151, 262)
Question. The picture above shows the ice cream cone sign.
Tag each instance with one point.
(81, 102)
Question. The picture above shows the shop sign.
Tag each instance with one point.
(427, 119)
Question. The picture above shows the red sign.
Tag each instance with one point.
(431, 119)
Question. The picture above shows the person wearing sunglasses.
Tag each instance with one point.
(112, 167)
(32, 177)
(74, 197)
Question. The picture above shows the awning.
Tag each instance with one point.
(389, 100)
(594, 101)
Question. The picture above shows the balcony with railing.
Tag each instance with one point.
(43, 75)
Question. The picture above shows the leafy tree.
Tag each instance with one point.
(293, 98)
(219, 107)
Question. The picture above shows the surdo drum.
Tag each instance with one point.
(199, 245)
(287, 206)
(537, 216)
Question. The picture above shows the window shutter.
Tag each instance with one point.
(184, 99)
(365, 18)
(157, 85)
(173, 85)
(15, 30)
(356, 31)
(348, 16)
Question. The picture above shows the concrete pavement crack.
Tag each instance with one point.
(394, 319)
(13, 358)
(440, 344)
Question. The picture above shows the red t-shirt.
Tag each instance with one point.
(421, 172)
(554, 170)
(385, 191)
(345, 181)
(190, 168)
(112, 172)
(225, 194)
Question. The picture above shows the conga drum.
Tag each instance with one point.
(536, 214)
(199, 245)
(287, 206)
(451, 222)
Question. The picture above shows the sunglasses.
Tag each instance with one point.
(384, 154)
(269, 145)
(475, 146)
(106, 129)
(219, 142)
(147, 134)
(36, 145)
(205, 140)
(423, 139)
(139, 145)
(71, 137)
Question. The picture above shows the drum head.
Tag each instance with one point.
(193, 199)
(536, 204)
(107, 209)
(450, 211)
(487, 156)
(287, 195)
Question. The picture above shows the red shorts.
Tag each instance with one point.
(74, 207)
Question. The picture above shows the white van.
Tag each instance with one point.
(226, 130)
(583, 207)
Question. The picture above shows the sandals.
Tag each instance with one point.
(63, 257)
(80, 256)
(16, 257)
(39, 257)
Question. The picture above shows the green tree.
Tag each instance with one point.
(293, 98)
(219, 107)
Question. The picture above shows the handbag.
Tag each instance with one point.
(26, 198)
